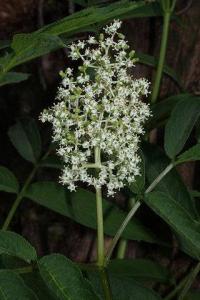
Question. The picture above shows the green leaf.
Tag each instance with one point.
(139, 269)
(81, 207)
(197, 131)
(193, 295)
(195, 193)
(162, 110)
(29, 46)
(14, 244)
(113, 217)
(34, 281)
(11, 262)
(171, 184)
(4, 60)
(149, 60)
(13, 77)
(52, 161)
(123, 288)
(64, 278)
(156, 161)
(8, 181)
(190, 155)
(129, 290)
(25, 137)
(138, 185)
(146, 11)
(178, 218)
(12, 287)
(180, 125)
(98, 15)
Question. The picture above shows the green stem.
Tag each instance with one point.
(176, 290)
(105, 284)
(184, 284)
(122, 245)
(121, 250)
(173, 5)
(120, 231)
(133, 211)
(19, 199)
(163, 47)
(100, 231)
(191, 277)
(159, 178)
(21, 194)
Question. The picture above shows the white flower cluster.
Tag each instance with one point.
(98, 117)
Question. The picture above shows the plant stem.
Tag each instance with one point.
(122, 245)
(190, 278)
(159, 178)
(100, 233)
(120, 231)
(177, 289)
(173, 5)
(163, 47)
(133, 211)
(105, 284)
(100, 230)
(121, 250)
(21, 194)
(185, 283)
(18, 199)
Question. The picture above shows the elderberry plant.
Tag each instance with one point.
(99, 110)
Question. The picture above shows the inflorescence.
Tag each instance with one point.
(99, 111)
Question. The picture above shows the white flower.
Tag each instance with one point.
(101, 107)
(112, 28)
(92, 40)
